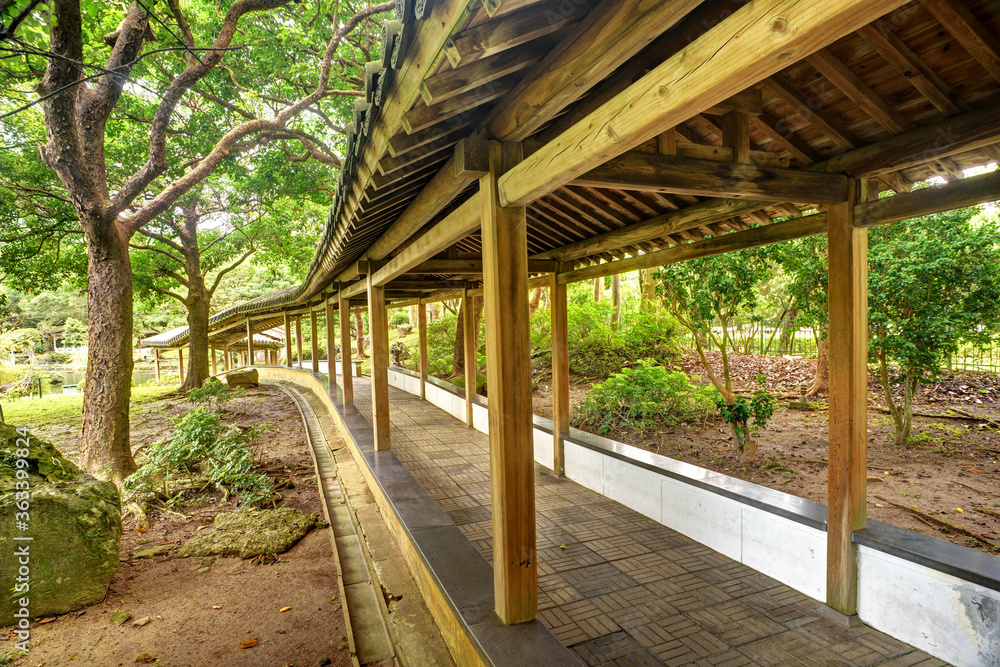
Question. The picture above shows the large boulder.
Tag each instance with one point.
(69, 525)
(243, 378)
(252, 533)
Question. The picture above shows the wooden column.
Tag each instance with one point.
(508, 350)
(315, 340)
(227, 359)
(331, 348)
(560, 372)
(156, 362)
(422, 336)
(347, 382)
(469, 336)
(250, 350)
(298, 338)
(180, 363)
(288, 340)
(848, 455)
(378, 328)
(212, 351)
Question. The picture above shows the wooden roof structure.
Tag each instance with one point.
(567, 140)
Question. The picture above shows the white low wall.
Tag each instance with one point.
(775, 533)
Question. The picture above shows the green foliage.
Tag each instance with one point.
(200, 448)
(738, 414)
(398, 316)
(644, 397)
(440, 344)
(215, 393)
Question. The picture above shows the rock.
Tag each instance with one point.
(152, 552)
(250, 533)
(74, 525)
(145, 620)
(404, 329)
(144, 657)
(246, 378)
(120, 617)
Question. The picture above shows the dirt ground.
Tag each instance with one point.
(199, 611)
(945, 483)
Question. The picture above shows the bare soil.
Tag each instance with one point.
(949, 473)
(201, 610)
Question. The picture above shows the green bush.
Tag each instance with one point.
(398, 316)
(200, 451)
(214, 392)
(644, 397)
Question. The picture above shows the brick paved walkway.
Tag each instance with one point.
(619, 588)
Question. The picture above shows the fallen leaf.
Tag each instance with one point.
(145, 620)
(46, 620)
(960, 510)
(249, 643)
(159, 617)
(562, 546)
(201, 528)
(140, 530)
(216, 606)
(284, 609)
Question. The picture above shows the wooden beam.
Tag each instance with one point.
(736, 134)
(180, 363)
(354, 289)
(809, 108)
(609, 35)
(346, 381)
(505, 274)
(156, 363)
(422, 117)
(298, 339)
(331, 347)
(457, 225)
(560, 372)
(378, 330)
(448, 83)
(981, 44)
(314, 339)
(709, 178)
(848, 415)
(858, 91)
(250, 350)
(228, 358)
(756, 41)
(474, 266)
(422, 346)
(469, 339)
(957, 194)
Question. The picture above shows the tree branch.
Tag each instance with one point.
(223, 272)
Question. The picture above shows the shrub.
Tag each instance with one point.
(214, 392)
(200, 451)
(398, 316)
(644, 397)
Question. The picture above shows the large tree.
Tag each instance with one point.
(933, 283)
(98, 118)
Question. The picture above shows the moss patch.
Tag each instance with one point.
(251, 533)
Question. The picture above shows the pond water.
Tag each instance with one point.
(77, 377)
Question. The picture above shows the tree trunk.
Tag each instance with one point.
(536, 298)
(105, 450)
(598, 289)
(648, 290)
(198, 302)
(821, 383)
(458, 351)
(359, 328)
(616, 301)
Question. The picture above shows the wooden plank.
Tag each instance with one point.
(509, 31)
(288, 342)
(858, 91)
(458, 224)
(981, 44)
(346, 381)
(709, 178)
(798, 149)
(809, 109)
(314, 339)
(422, 346)
(848, 414)
(378, 331)
(957, 194)
(422, 117)
(609, 35)
(901, 57)
(469, 340)
(756, 41)
(560, 372)
(448, 83)
(508, 351)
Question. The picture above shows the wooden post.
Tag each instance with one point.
(180, 363)
(378, 328)
(560, 372)
(347, 383)
(298, 338)
(250, 350)
(331, 349)
(227, 358)
(156, 362)
(508, 350)
(848, 415)
(422, 336)
(315, 340)
(212, 351)
(469, 336)
(288, 340)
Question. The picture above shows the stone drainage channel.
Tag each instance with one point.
(365, 611)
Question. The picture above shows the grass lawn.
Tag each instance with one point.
(67, 409)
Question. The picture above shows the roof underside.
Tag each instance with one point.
(916, 67)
